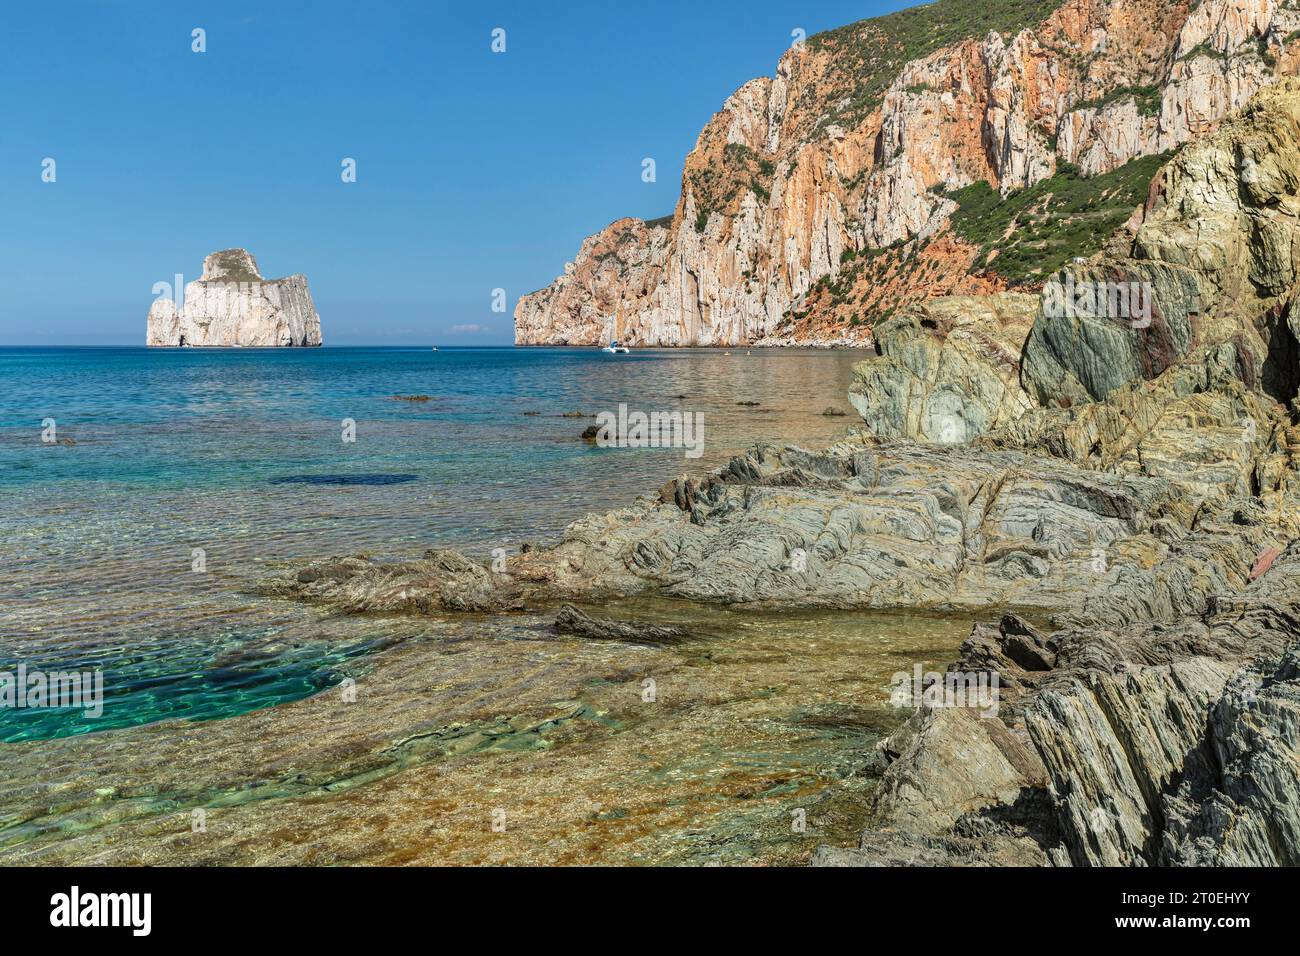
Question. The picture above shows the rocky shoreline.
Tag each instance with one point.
(1149, 730)
(1133, 486)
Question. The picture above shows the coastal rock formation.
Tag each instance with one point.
(442, 580)
(1141, 746)
(231, 304)
(1240, 809)
(1135, 485)
(949, 369)
(905, 526)
(1149, 739)
(1213, 258)
(570, 620)
(821, 198)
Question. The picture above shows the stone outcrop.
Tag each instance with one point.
(949, 369)
(1213, 253)
(1136, 486)
(830, 158)
(232, 305)
(442, 580)
(571, 620)
(1140, 746)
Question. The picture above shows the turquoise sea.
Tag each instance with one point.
(240, 454)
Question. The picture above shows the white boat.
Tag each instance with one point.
(613, 348)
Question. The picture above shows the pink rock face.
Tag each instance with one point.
(784, 181)
(1264, 562)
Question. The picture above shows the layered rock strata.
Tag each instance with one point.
(1135, 486)
(232, 305)
(851, 150)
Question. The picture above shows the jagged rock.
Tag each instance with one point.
(928, 792)
(882, 525)
(1243, 808)
(1113, 745)
(1216, 250)
(949, 369)
(233, 305)
(1134, 746)
(793, 174)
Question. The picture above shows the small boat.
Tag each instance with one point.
(435, 348)
(613, 348)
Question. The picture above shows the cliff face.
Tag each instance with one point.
(233, 305)
(853, 181)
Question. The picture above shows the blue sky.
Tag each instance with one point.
(475, 170)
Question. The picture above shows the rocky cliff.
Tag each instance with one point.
(953, 148)
(1132, 481)
(233, 305)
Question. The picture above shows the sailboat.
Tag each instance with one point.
(613, 348)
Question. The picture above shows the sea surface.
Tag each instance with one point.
(176, 479)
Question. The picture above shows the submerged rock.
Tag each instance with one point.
(570, 620)
(442, 580)
(233, 305)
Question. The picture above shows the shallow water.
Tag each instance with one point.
(233, 706)
(240, 454)
(493, 740)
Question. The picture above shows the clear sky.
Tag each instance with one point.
(475, 170)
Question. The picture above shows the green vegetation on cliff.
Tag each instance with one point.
(1033, 232)
(870, 53)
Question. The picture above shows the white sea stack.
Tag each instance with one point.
(232, 305)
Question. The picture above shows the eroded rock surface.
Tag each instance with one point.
(233, 305)
(848, 149)
(1145, 745)
(1140, 494)
(442, 580)
(1214, 252)
(949, 369)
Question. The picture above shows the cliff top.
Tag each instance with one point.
(233, 265)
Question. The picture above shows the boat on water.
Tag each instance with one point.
(614, 348)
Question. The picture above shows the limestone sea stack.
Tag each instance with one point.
(232, 305)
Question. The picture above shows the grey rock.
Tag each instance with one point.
(948, 369)
(570, 620)
(442, 580)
